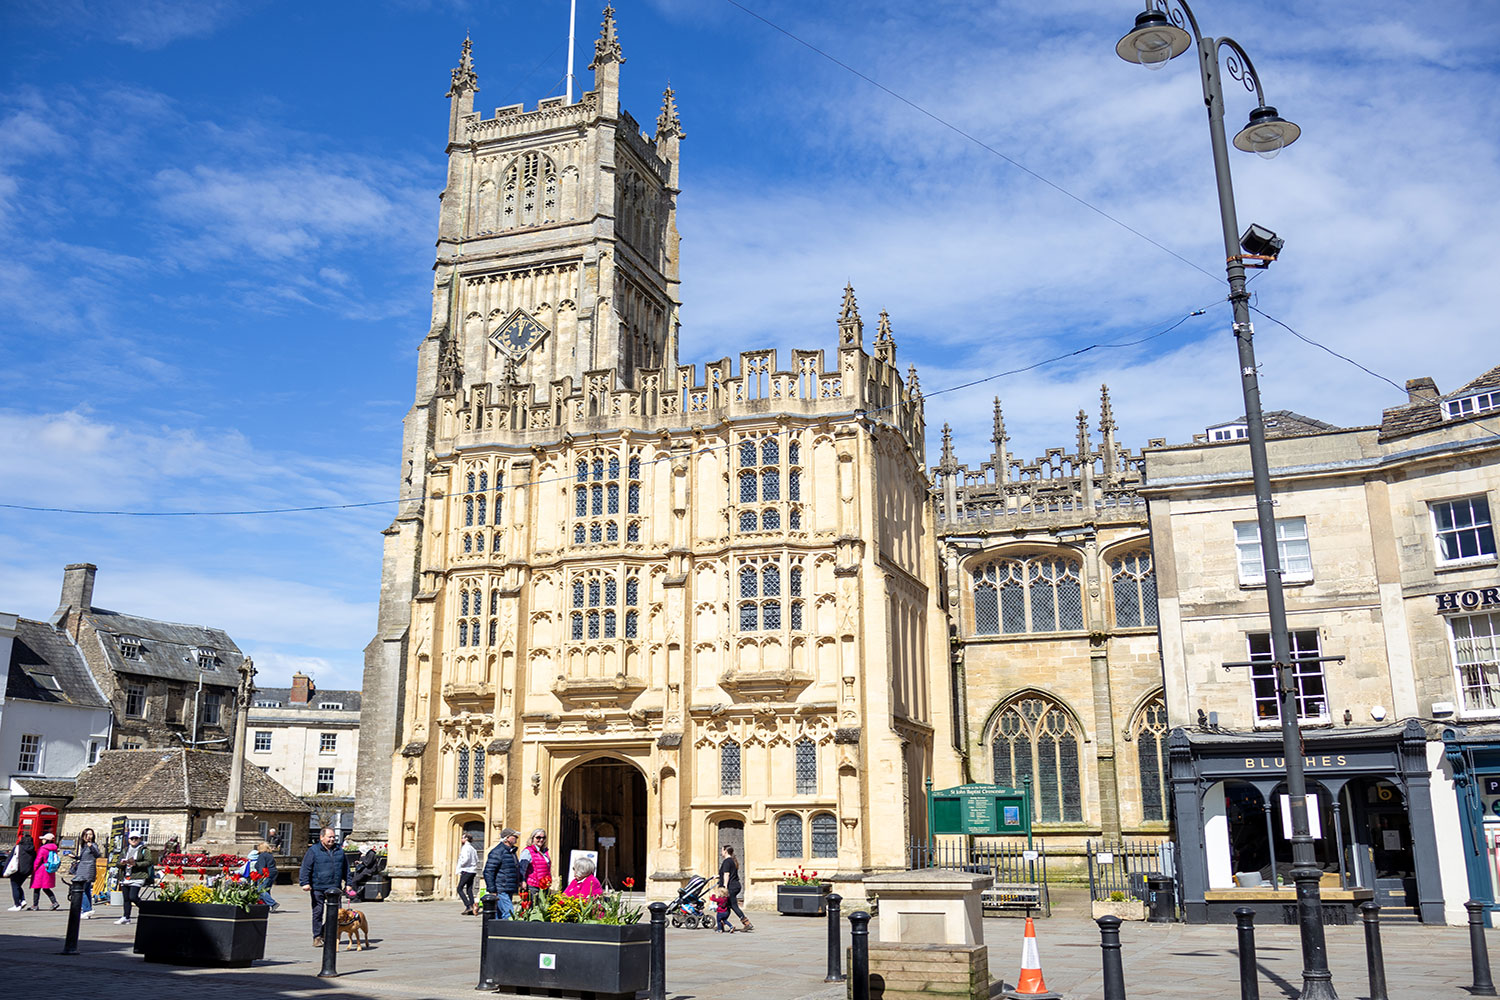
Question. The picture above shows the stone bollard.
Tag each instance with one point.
(859, 957)
(1114, 967)
(486, 914)
(658, 950)
(1479, 952)
(835, 960)
(75, 915)
(1374, 956)
(1244, 919)
(330, 934)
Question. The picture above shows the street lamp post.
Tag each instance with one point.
(1160, 34)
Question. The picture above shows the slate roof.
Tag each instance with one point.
(45, 666)
(45, 788)
(166, 649)
(1285, 423)
(176, 779)
(349, 699)
(1429, 412)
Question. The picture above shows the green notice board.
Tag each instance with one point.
(981, 810)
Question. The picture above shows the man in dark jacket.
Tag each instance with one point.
(325, 869)
(502, 872)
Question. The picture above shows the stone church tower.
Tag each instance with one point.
(651, 609)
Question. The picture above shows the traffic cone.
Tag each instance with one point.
(1030, 986)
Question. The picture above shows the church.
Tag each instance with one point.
(654, 609)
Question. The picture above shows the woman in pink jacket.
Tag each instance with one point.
(43, 880)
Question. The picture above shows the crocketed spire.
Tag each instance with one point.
(607, 45)
(667, 123)
(465, 80)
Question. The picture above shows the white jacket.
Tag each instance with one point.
(468, 859)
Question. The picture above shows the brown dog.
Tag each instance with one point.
(352, 924)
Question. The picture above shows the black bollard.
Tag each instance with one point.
(658, 950)
(1244, 918)
(835, 960)
(1114, 967)
(1374, 956)
(75, 915)
(330, 933)
(859, 959)
(1479, 951)
(486, 914)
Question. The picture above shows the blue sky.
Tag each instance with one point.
(217, 220)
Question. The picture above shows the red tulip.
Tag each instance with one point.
(629, 883)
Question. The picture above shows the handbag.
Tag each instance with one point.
(14, 864)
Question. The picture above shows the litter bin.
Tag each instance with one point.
(1161, 898)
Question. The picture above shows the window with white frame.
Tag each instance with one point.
(325, 781)
(328, 742)
(140, 826)
(267, 704)
(130, 745)
(1469, 406)
(1476, 659)
(93, 752)
(763, 597)
(130, 647)
(1464, 530)
(1292, 551)
(207, 657)
(262, 741)
(30, 759)
(1229, 432)
(1034, 594)
(1307, 672)
(332, 706)
(135, 701)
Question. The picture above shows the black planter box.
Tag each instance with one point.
(200, 933)
(802, 900)
(376, 889)
(603, 959)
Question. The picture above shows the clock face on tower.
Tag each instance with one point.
(518, 334)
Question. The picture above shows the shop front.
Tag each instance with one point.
(1473, 754)
(1369, 806)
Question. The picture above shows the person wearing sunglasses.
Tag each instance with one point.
(536, 863)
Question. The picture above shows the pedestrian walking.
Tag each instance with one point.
(19, 864)
(264, 864)
(44, 872)
(86, 870)
(325, 869)
(468, 867)
(502, 873)
(135, 872)
(729, 881)
(720, 898)
(536, 863)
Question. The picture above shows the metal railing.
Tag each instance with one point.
(1019, 872)
(1122, 866)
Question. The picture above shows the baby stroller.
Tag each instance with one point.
(687, 909)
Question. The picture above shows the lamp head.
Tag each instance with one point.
(1261, 242)
(1153, 40)
(1266, 133)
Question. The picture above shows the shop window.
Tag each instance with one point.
(1476, 659)
(789, 836)
(1039, 594)
(1464, 530)
(1307, 670)
(825, 836)
(1035, 737)
(1133, 582)
(1150, 734)
(729, 768)
(1292, 550)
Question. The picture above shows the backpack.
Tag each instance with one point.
(54, 862)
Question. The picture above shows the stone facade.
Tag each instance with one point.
(308, 740)
(650, 608)
(1052, 615)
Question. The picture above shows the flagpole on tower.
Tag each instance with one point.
(572, 23)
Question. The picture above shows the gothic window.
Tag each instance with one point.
(807, 767)
(596, 532)
(632, 624)
(770, 520)
(633, 495)
(1035, 594)
(468, 512)
(611, 532)
(581, 502)
(1134, 584)
(468, 543)
(633, 531)
(747, 520)
(578, 535)
(729, 768)
(479, 504)
(495, 602)
(825, 836)
(463, 633)
(479, 772)
(1035, 737)
(462, 791)
(761, 475)
(597, 495)
(1151, 755)
(789, 836)
(494, 630)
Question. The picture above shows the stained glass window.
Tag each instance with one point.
(577, 626)
(479, 772)
(789, 836)
(580, 502)
(462, 791)
(825, 836)
(1036, 738)
(770, 520)
(807, 767)
(729, 768)
(632, 624)
(468, 512)
(1040, 594)
(747, 520)
(463, 633)
(1151, 755)
(1134, 584)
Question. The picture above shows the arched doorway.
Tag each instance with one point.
(604, 809)
(731, 834)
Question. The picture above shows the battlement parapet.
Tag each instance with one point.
(513, 120)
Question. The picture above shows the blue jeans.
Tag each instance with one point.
(88, 899)
(503, 906)
(265, 897)
(318, 895)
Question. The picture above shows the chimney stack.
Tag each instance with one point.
(303, 688)
(1421, 390)
(78, 586)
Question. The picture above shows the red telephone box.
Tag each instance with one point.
(35, 821)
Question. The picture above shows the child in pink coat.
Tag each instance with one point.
(41, 879)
